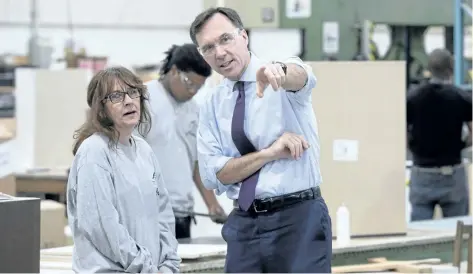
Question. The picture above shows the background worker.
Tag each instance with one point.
(173, 132)
(436, 114)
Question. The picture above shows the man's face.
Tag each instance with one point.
(224, 47)
(184, 85)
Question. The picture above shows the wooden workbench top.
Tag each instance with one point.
(423, 232)
(198, 257)
(43, 173)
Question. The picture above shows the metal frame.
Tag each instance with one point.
(458, 32)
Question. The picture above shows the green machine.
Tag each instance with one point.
(350, 22)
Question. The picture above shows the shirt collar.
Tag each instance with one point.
(250, 72)
(439, 81)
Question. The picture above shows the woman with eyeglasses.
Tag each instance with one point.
(118, 207)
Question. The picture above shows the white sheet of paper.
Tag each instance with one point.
(330, 38)
(345, 150)
(298, 8)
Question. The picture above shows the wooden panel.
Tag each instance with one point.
(47, 181)
(364, 103)
(67, 91)
(7, 128)
(185, 251)
(8, 185)
(470, 183)
(7, 167)
(50, 105)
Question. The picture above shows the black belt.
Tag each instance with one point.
(279, 202)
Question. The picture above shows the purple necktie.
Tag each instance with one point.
(244, 146)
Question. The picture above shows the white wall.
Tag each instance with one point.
(115, 13)
(135, 32)
(123, 47)
(129, 32)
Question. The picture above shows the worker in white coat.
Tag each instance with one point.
(173, 131)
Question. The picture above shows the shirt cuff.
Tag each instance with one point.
(164, 269)
(310, 83)
(220, 163)
(298, 61)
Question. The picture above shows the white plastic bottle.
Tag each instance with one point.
(343, 226)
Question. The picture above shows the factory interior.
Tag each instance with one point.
(50, 49)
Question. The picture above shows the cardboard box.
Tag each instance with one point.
(53, 221)
(7, 180)
(8, 185)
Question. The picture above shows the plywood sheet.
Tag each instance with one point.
(185, 251)
(445, 224)
(46, 266)
(8, 185)
(59, 259)
(362, 106)
(469, 168)
(7, 128)
(45, 133)
(67, 89)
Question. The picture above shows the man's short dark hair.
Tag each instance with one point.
(205, 16)
(186, 58)
(440, 64)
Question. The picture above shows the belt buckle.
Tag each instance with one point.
(446, 170)
(255, 208)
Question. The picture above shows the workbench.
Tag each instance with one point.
(426, 239)
(45, 181)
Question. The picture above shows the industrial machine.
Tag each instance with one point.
(340, 29)
(408, 21)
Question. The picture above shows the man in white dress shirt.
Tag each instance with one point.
(258, 143)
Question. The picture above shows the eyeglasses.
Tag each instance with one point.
(225, 40)
(188, 82)
(118, 96)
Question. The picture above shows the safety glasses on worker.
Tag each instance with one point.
(188, 82)
(225, 40)
(118, 96)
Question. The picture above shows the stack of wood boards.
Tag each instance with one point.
(383, 265)
(60, 259)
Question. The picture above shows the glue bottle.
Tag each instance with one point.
(343, 226)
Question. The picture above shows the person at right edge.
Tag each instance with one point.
(436, 114)
(257, 141)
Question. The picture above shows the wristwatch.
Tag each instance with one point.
(283, 66)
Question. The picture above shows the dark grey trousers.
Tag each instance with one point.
(431, 187)
(296, 239)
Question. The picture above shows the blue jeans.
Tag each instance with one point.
(295, 239)
(430, 187)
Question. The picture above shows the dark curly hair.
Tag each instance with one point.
(186, 58)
